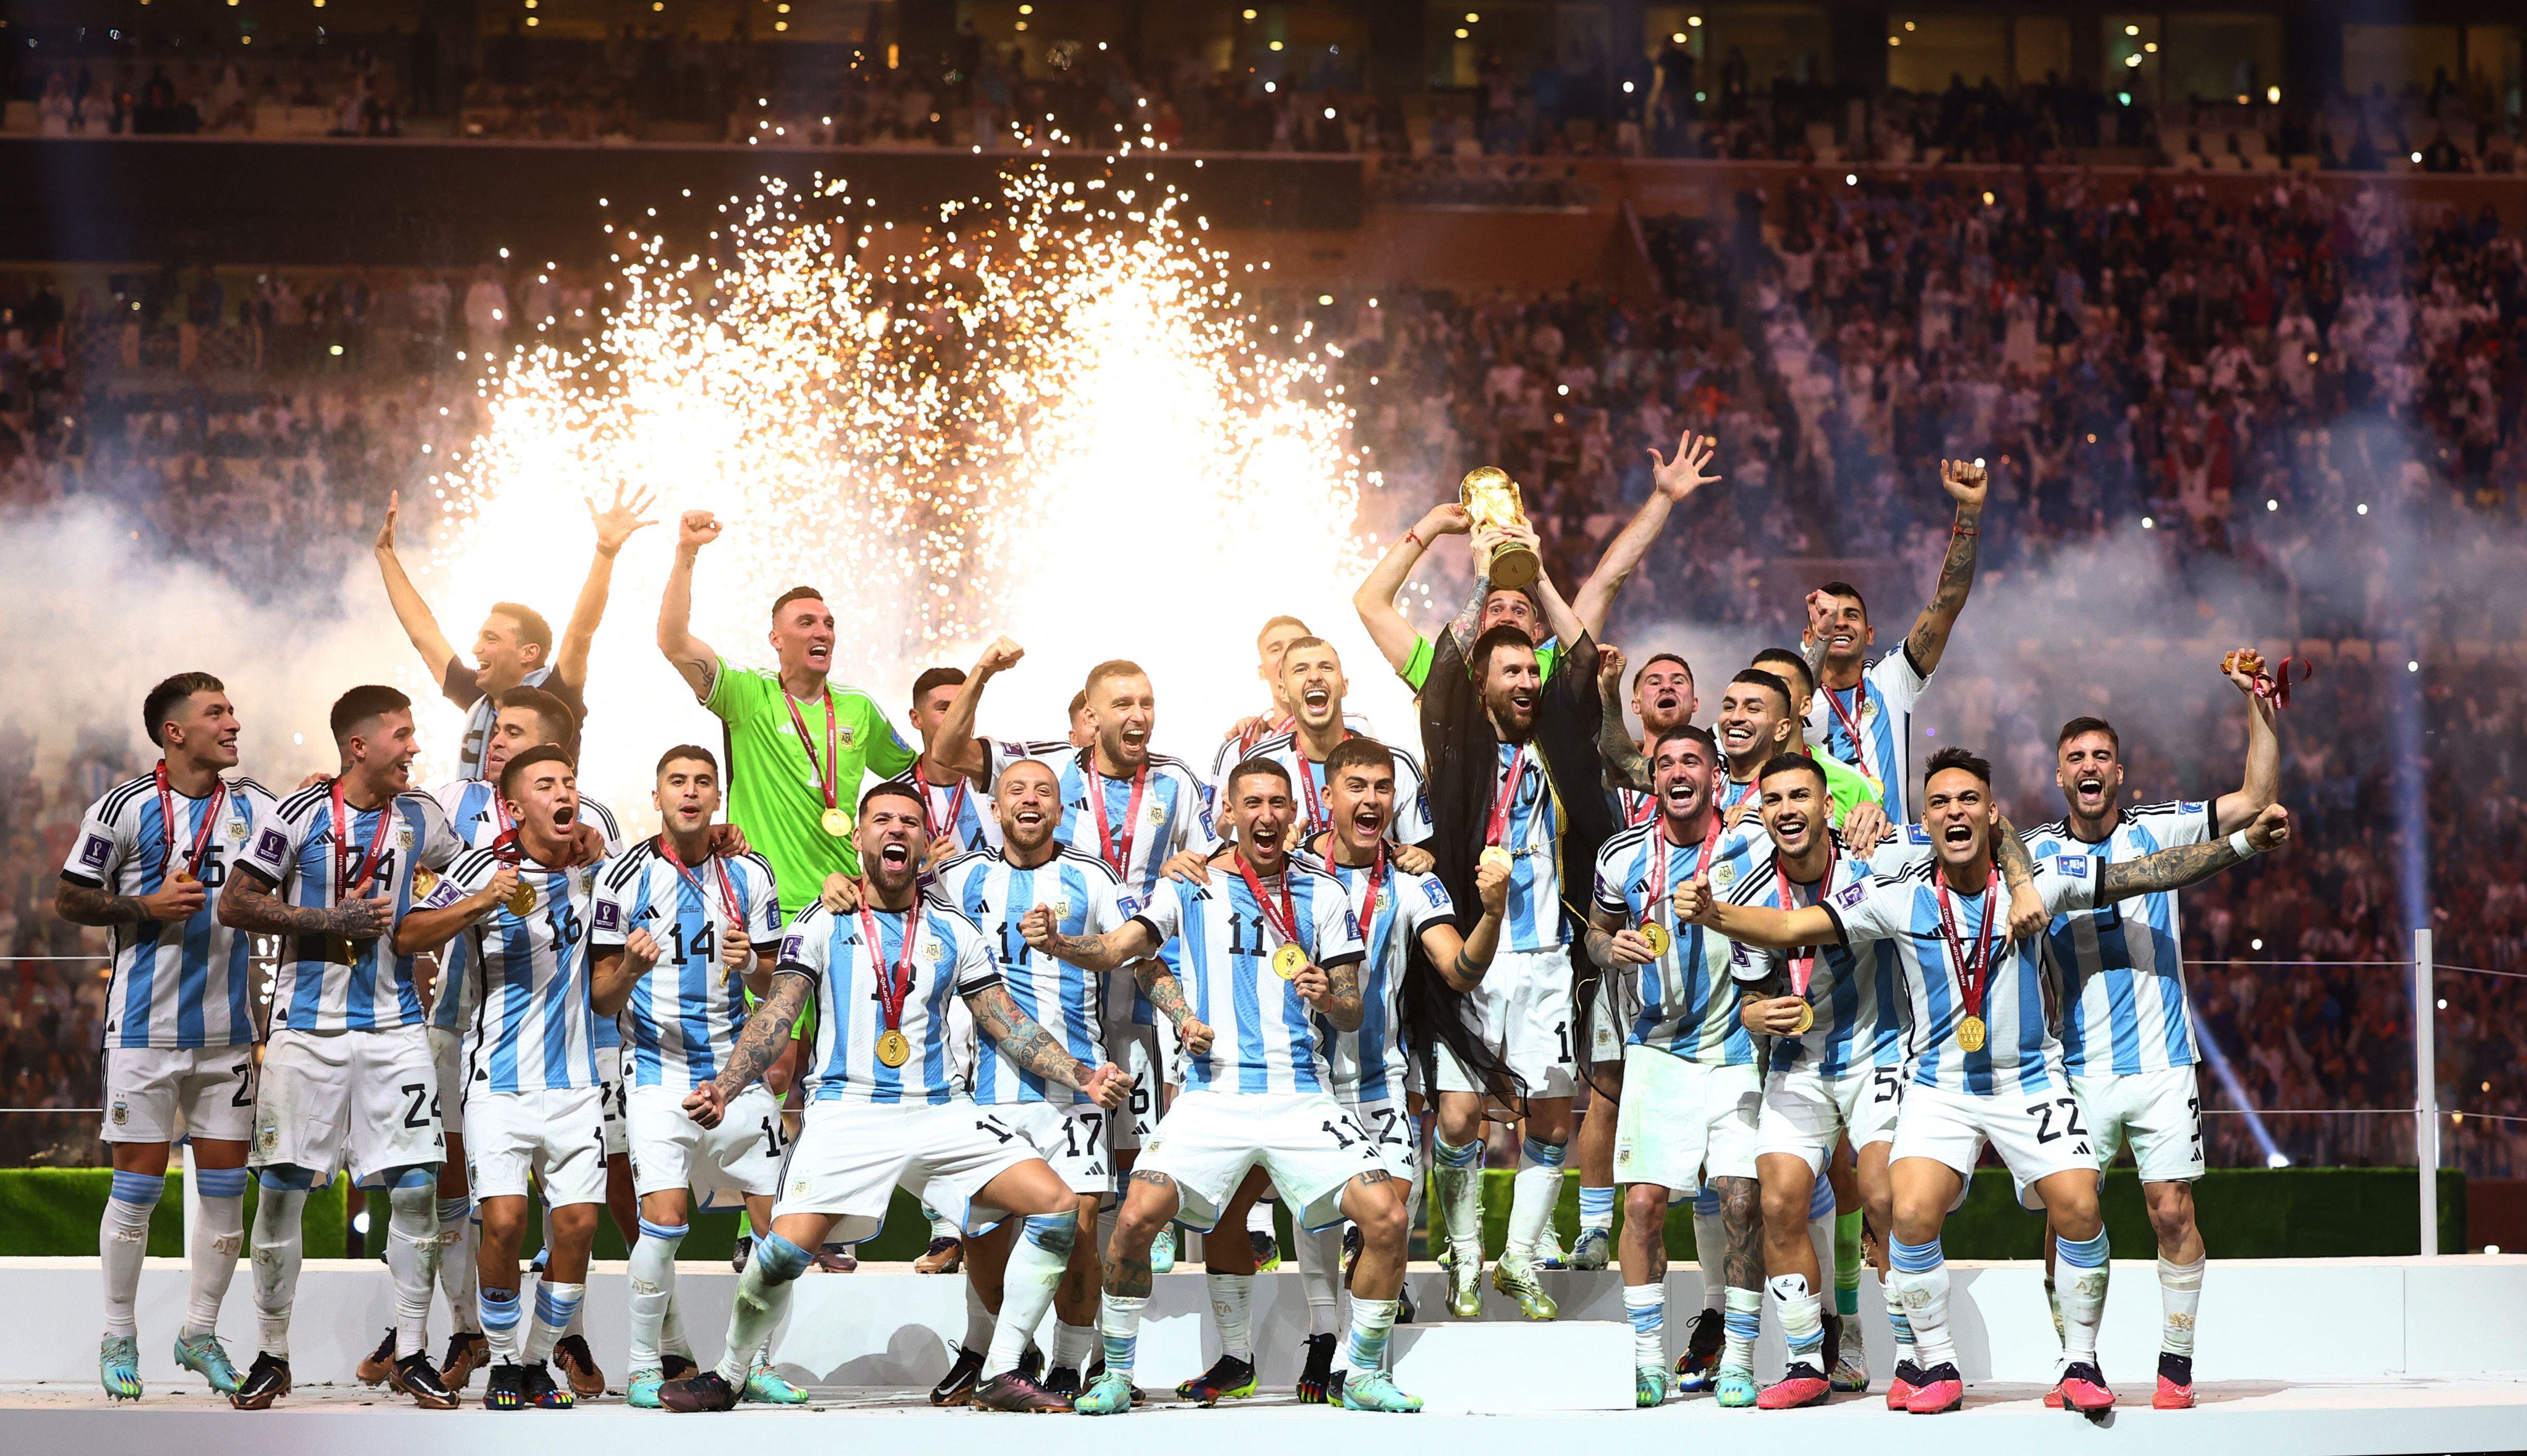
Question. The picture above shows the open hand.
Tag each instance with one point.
(616, 523)
(1688, 472)
(385, 530)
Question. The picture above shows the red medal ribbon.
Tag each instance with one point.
(1803, 968)
(1116, 854)
(955, 800)
(1659, 889)
(1285, 919)
(833, 750)
(1507, 800)
(892, 987)
(1972, 972)
(1318, 819)
(728, 890)
(1850, 719)
(1247, 740)
(2275, 686)
(1368, 899)
(342, 845)
(202, 836)
(1644, 808)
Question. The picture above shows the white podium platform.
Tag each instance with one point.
(2304, 1356)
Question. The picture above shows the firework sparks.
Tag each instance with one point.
(1050, 415)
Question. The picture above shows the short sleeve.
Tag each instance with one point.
(607, 913)
(2183, 822)
(1609, 895)
(274, 846)
(1337, 928)
(762, 907)
(2068, 882)
(438, 842)
(1898, 680)
(1423, 902)
(1417, 667)
(976, 970)
(1871, 910)
(1909, 846)
(808, 945)
(459, 684)
(729, 700)
(888, 753)
(467, 877)
(1412, 824)
(1163, 914)
(97, 852)
(1192, 816)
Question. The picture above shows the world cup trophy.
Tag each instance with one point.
(1491, 498)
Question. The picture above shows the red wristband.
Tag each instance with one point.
(1417, 540)
(1963, 530)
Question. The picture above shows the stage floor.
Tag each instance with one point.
(2485, 1414)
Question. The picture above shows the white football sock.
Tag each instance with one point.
(1920, 1272)
(1710, 1251)
(652, 1276)
(2180, 1301)
(1743, 1321)
(1372, 1324)
(762, 1298)
(1457, 1188)
(1646, 1307)
(2080, 1278)
(412, 1259)
(1038, 1258)
(1071, 1344)
(279, 1246)
(123, 1241)
(1535, 1193)
(1232, 1302)
(978, 1320)
(1321, 1274)
(1119, 1323)
(219, 1236)
(459, 1263)
(556, 1305)
(1802, 1320)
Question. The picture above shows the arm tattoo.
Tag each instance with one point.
(1343, 1005)
(1084, 950)
(1165, 991)
(767, 1026)
(2168, 869)
(1462, 626)
(2010, 852)
(1025, 1041)
(245, 906)
(1813, 650)
(87, 904)
(1956, 578)
(1625, 768)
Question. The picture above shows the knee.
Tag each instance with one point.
(1645, 1207)
(2171, 1216)
(1784, 1209)
(1738, 1201)
(502, 1220)
(1384, 1224)
(1055, 1234)
(780, 1259)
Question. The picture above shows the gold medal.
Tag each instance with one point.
(1289, 960)
(1656, 934)
(337, 951)
(893, 1048)
(1496, 858)
(1806, 1020)
(522, 900)
(1970, 1033)
(180, 877)
(838, 823)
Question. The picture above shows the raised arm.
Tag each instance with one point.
(614, 526)
(998, 1016)
(248, 902)
(2176, 869)
(419, 624)
(1625, 768)
(1559, 618)
(953, 750)
(2027, 913)
(694, 658)
(1131, 941)
(1968, 484)
(1671, 480)
(2263, 754)
(1375, 598)
(1761, 926)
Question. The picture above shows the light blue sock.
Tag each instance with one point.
(1596, 1208)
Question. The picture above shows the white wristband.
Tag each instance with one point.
(2241, 845)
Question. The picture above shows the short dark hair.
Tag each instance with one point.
(532, 629)
(1501, 635)
(547, 707)
(1655, 658)
(936, 677)
(795, 594)
(2080, 725)
(1249, 767)
(1702, 736)
(1365, 752)
(543, 753)
(1110, 667)
(1773, 680)
(168, 695)
(885, 788)
(1793, 764)
(1790, 660)
(1947, 758)
(363, 702)
(1846, 589)
(687, 751)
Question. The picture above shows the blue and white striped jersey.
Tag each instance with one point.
(322, 984)
(1882, 706)
(1368, 1064)
(683, 1017)
(2020, 1052)
(1266, 1037)
(1689, 1006)
(471, 812)
(1238, 746)
(533, 1028)
(1412, 822)
(996, 895)
(175, 985)
(1533, 837)
(950, 962)
(1857, 993)
(1174, 816)
(2121, 967)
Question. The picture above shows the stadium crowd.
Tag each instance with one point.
(2194, 413)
